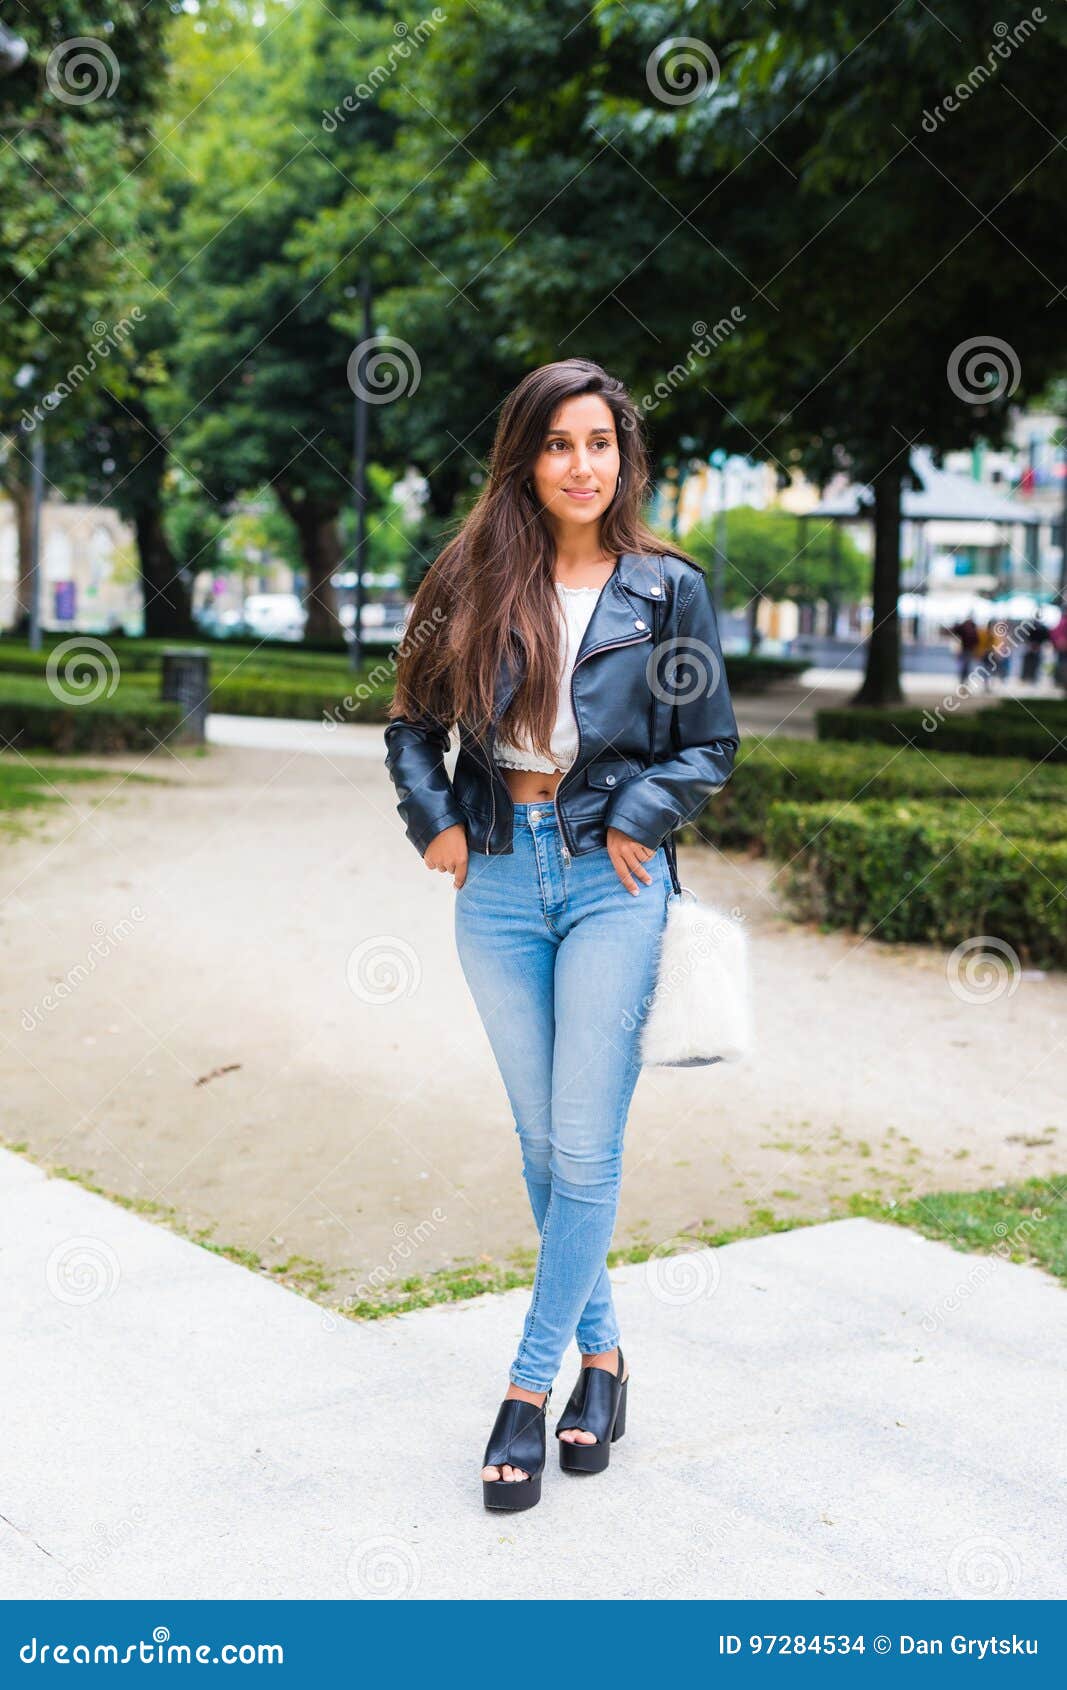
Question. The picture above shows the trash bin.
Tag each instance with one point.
(186, 682)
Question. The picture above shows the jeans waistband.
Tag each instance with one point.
(536, 814)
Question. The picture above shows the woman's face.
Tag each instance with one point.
(577, 470)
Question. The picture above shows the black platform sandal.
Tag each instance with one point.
(517, 1440)
(598, 1405)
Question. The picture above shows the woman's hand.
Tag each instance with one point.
(448, 852)
(627, 855)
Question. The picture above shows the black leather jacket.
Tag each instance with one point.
(656, 729)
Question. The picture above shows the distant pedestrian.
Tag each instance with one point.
(985, 654)
(1058, 637)
(966, 632)
(1037, 638)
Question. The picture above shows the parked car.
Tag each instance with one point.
(278, 616)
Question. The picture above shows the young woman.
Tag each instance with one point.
(583, 670)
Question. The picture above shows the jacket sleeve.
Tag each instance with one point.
(687, 670)
(415, 758)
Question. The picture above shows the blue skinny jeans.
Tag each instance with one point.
(560, 960)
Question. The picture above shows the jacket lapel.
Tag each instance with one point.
(626, 599)
(622, 610)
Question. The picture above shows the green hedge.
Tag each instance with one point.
(756, 674)
(131, 720)
(928, 871)
(988, 732)
(281, 679)
(774, 769)
(1052, 711)
(143, 658)
(305, 687)
(307, 701)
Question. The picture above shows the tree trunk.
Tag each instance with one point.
(754, 635)
(21, 495)
(881, 683)
(166, 596)
(320, 550)
(20, 492)
(322, 557)
(445, 483)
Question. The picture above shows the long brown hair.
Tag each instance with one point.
(498, 571)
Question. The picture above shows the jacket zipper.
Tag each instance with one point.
(491, 770)
(610, 645)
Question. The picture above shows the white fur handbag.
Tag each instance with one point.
(701, 1010)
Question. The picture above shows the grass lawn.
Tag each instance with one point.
(1024, 1222)
(243, 680)
(27, 787)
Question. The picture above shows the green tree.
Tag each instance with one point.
(791, 263)
(262, 394)
(893, 257)
(74, 130)
(777, 555)
(459, 225)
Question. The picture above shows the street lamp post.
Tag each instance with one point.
(359, 473)
(37, 479)
(718, 461)
(25, 378)
(1063, 521)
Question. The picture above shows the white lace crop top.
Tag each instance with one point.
(578, 604)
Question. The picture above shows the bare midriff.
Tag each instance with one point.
(530, 786)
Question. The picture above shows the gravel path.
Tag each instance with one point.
(187, 1020)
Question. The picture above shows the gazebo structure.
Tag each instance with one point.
(947, 515)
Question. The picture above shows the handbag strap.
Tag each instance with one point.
(668, 843)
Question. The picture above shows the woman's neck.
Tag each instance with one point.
(582, 565)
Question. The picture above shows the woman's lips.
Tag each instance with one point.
(580, 492)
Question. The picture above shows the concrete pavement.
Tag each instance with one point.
(846, 1410)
